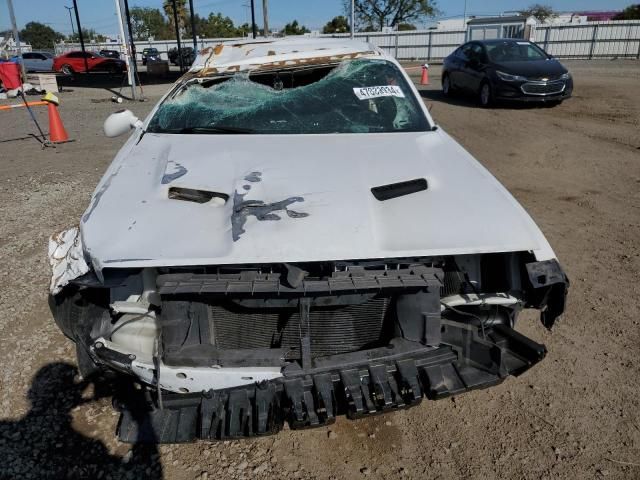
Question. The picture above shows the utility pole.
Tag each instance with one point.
(265, 17)
(253, 19)
(133, 48)
(464, 16)
(175, 22)
(193, 27)
(86, 64)
(16, 37)
(73, 30)
(131, 59)
(353, 19)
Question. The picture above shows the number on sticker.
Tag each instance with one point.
(365, 93)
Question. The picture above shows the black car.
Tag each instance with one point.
(110, 53)
(188, 56)
(506, 69)
(150, 53)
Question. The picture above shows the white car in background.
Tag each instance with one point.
(289, 236)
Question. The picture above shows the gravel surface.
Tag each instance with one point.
(575, 167)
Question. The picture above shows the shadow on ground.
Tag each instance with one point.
(469, 101)
(44, 445)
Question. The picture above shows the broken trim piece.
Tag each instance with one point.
(550, 286)
(184, 379)
(66, 257)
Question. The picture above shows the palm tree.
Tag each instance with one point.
(181, 7)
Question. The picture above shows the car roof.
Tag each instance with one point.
(93, 52)
(277, 53)
(496, 41)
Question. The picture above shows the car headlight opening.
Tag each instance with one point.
(507, 77)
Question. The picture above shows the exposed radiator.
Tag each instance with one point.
(333, 330)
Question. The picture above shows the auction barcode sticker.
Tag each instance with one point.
(364, 93)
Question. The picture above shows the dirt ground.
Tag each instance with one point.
(575, 168)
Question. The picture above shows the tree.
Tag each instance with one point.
(243, 30)
(214, 26)
(39, 35)
(149, 22)
(294, 28)
(181, 8)
(404, 27)
(389, 13)
(88, 35)
(338, 24)
(540, 12)
(632, 12)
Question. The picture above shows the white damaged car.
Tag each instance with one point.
(288, 237)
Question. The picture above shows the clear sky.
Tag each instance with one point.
(100, 14)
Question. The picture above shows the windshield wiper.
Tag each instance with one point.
(214, 129)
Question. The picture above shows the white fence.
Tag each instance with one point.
(427, 45)
(588, 40)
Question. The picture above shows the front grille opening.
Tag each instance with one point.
(543, 88)
(333, 330)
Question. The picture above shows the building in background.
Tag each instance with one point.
(8, 46)
(566, 18)
(516, 26)
(599, 16)
(457, 23)
(562, 18)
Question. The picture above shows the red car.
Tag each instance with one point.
(73, 62)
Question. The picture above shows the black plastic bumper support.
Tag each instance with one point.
(380, 380)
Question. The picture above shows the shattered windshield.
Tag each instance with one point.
(357, 96)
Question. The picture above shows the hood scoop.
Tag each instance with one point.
(400, 189)
(197, 196)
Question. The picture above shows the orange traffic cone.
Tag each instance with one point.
(57, 133)
(424, 80)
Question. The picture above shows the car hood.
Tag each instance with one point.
(294, 198)
(533, 68)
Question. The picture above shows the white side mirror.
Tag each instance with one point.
(120, 122)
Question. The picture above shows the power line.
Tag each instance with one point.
(70, 18)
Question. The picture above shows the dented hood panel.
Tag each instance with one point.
(294, 198)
